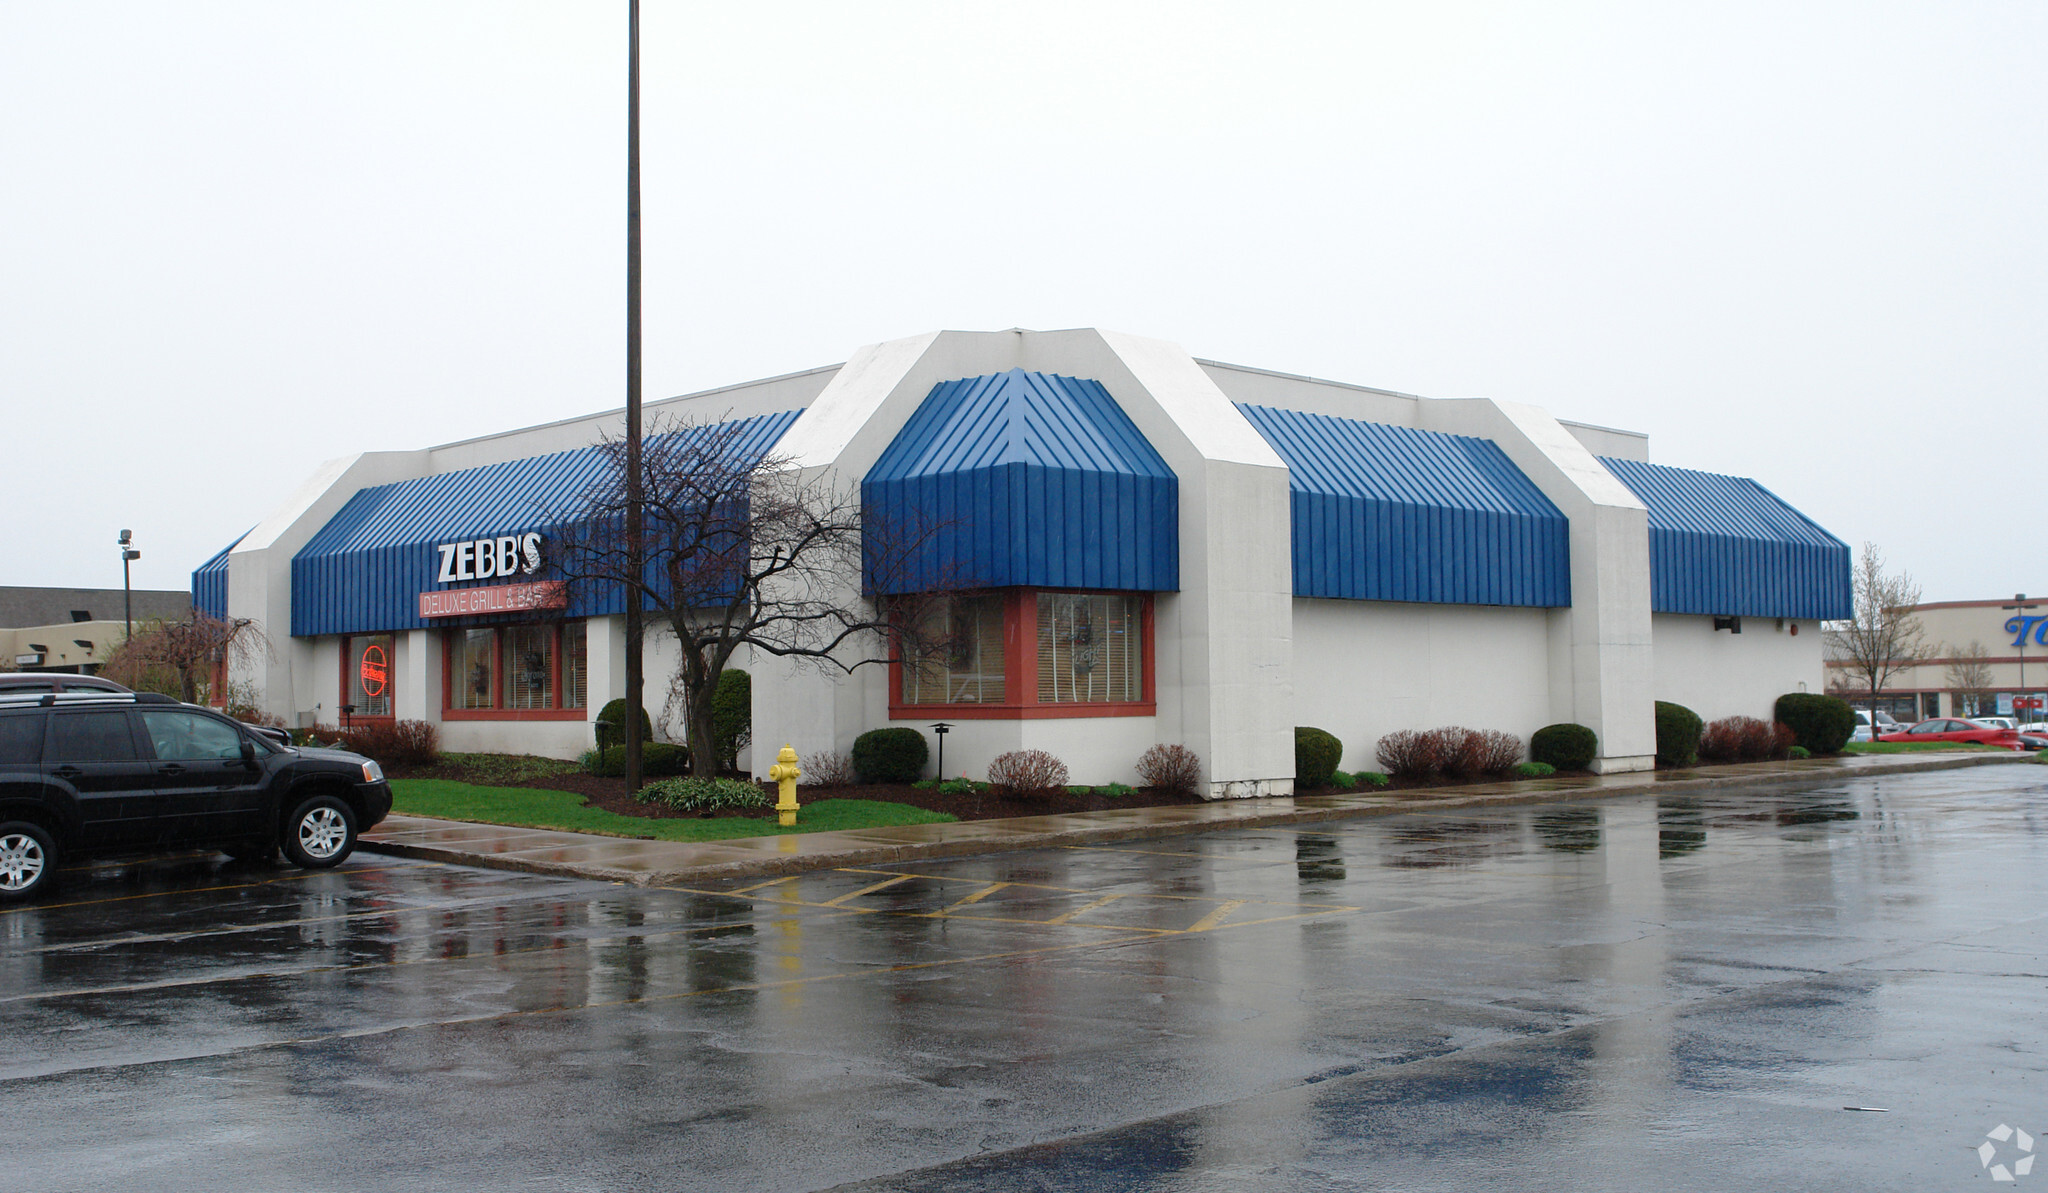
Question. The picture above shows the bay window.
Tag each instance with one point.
(536, 671)
(1028, 653)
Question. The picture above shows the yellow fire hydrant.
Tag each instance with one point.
(785, 773)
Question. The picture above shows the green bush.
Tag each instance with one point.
(1820, 724)
(1316, 755)
(1678, 734)
(890, 755)
(657, 758)
(1799, 752)
(704, 795)
(1564, 746)
(732, 715)
(611, 729)
(1343, 778)
(1371, 778)
(1535, 770)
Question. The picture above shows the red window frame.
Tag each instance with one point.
(498, 711)
(1020, 671)
(391, 668)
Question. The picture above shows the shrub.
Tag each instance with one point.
(1458, 750)
(1316, 755)
(732, 715)
(1678, 734)
(249, 714)
(890, 755)
(656, 758)
(1564, 746)
(704, 795)
(1114, 790)
(828, 768)
(611, 724)
(1171, 768)
(1021, 774)
(1343, 779)
(1820, 724)
(1410, 755)
(1799, 752)
(395, 743)
(1535, 770)
(960, 786)
(1744, 739)
(1500, 752)
(1371, 778)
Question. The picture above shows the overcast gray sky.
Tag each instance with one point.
(1800, 242)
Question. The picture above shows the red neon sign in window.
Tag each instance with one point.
(373, 671)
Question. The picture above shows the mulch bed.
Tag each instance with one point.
(610, 794)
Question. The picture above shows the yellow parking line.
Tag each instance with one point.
(977, 896)
(1216, 917)
(1105, 901)
(866, 890)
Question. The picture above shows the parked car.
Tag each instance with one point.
(1996, 722)
(93, 773)
(55, 681)
(1950, 729)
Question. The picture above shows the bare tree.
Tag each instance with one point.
(1884, 637)
(1968, 677)
(742, 549)
(182, 658)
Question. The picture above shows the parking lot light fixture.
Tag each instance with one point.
(2019, 609)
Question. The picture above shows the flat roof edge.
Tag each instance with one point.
(620, 410)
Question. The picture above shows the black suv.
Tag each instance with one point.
(105, 772)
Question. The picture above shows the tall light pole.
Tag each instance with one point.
(2019, 609)
(635, 523)
(128, 555)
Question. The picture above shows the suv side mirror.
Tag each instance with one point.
(249, 754)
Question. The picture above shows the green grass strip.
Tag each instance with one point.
(530, 807)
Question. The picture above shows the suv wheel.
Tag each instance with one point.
(320, 833)
(27, 859)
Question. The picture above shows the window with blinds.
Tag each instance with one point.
(1090, 648)
(964, 662)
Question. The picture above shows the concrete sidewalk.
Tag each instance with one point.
(648, 863)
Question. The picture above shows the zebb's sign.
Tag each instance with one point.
(502, 557)
(481, 559)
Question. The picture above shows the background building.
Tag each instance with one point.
(1164, 550)
(1981, 655)
(72, 629)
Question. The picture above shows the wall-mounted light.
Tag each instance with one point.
(39, 648)
(81, 642)
(1732, 624)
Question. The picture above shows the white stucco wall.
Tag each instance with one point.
(1718, 674)
(1363, 669)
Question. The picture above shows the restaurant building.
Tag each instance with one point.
(1160, 549)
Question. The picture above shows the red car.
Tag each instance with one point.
(1950, 729)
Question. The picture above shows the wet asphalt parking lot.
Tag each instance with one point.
(1635, 993)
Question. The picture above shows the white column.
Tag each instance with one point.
(1601, 663)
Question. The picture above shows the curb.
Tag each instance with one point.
(1253, 816)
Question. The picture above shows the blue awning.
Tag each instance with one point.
(1021, 478)
(210, 581)
(1727, 546)
(364, 571)
(1386, 513)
